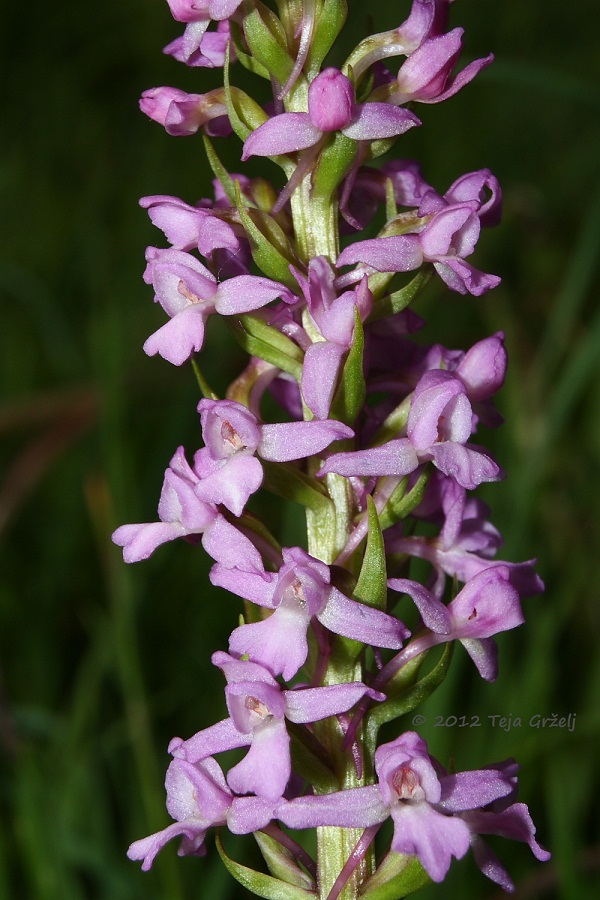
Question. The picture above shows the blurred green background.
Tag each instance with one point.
(100, 663)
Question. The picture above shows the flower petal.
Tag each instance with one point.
(245, 293)
(294, 440)
(266, 768)
(285, 133)
(180, 337)
(362, 623)
(279, 643)
(312, 704)
(353, 808)
(374, 121)
(398, 253)
(433, 837)
(433, 612)
(397, 457)
(320, 371)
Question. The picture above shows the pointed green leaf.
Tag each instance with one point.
(391, 210)
(350, 395)
(404, 697)
(275, 347)
(329, 22)
(266, 39)
(371, 587)
(281, 863)
(397, 876)
(404, 223)
(265, 197)
(219, 170)
(271, 249)
(378, 285)
(378, 148)
(290, 483)
(203, 384)
(272, 336)
(260, 884)
(256, 347)
(400, 505)
(332, 166)
(248, 62)
(399, 300)
(245, 115)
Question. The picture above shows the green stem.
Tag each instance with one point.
(315, 223)
(316, 233)
(334, 845)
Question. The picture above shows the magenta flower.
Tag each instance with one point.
(333, 317)
(258, 708)
(449, 237)
(180, 113)
(439, 425)
(424, 804)
(208, 49)
(300, 591)
(198, 14)
(227, 468)
(189, 293)
(480, 188)
(487, 605)
(198, 798)
(183, 514)
(180, 511)
(426, 74)
(466, 545)
(331, 107)
(427, 19)
(191, 227)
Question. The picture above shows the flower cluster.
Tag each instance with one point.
(375, 438)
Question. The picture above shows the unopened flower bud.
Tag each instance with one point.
(331, 100)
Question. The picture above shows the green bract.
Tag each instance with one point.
(397, 877)
(260, 884)
(262, 340)
(266, 39)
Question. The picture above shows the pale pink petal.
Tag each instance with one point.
(353, 808)
(320, 372)
(360, 622)
(285, 133)
(374, 121)
(266, 768)
(245, 293)
(397, 457)
(285, 441)
(399, 253)
(180, 337)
